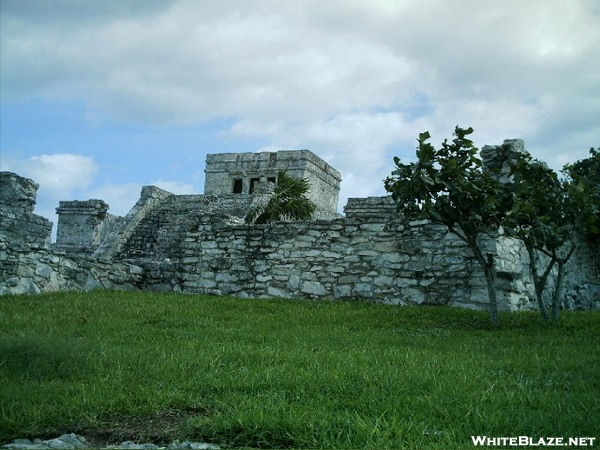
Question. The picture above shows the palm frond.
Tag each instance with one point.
(288, 201)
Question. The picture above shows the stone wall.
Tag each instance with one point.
(112, 245)
(28, 264)
(581, 286)
(199, 244)
(582, 282)
(160, 235)
(17, 193)
(30, 270)
(17, 221)
(498, 158)
(380, 259)
(83, 225)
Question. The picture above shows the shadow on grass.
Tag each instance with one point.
(37, 358)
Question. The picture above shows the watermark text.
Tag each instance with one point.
(534, 442)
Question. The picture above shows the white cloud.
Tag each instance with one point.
(359, 145)
(120, 197)
(175, 187)
(59, 175)
(355, 81)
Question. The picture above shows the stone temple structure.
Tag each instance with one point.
(159, 222)
(200, 244)
(247, 173)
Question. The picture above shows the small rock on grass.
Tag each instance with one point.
(74, 442)
(66, 441)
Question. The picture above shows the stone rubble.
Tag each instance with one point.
(72, 441)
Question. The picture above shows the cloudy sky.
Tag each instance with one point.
(100, 97)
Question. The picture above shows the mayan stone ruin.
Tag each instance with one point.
(200, 244)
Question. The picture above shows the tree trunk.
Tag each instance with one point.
(490, 278)
(488, 269)
(537, 283)
(559, 281)
(558, 290)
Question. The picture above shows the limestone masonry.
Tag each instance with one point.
(200, 244)
(230, 173)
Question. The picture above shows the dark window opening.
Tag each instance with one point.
(237, 186)
(272, 180)
(253, 182)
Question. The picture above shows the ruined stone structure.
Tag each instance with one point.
(247, 173)
(83, 225)
(199, 244)
(29, 264)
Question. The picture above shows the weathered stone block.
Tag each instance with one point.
(348, 279)
(26, 286)
(313, 288)
(386, 247)
(17, 192)
(262, 278)
(373, 227)
(413, 296)
(363, 290)
(383, 281)
(342, 291)
(44, 270)
(277, 292)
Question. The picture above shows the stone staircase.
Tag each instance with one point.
(159, 236)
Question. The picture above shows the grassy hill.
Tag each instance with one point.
(114, 366)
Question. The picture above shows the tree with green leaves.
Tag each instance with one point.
(541, 217)
(448, 186)
(287, 201)
(548, 214)
(584, 176)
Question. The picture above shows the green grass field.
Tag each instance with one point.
(115, 366)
